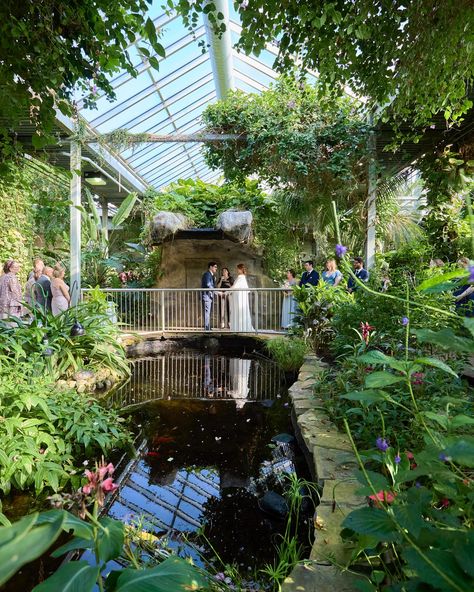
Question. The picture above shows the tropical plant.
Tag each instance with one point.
(300, 142)
(45, 433)
(103, 536)
(380, 53)
(49, 341)
(102, 259)
(317, 306)
(288, 353)
(279, 240)
(50, 50)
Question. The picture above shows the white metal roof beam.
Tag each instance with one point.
(220, 50)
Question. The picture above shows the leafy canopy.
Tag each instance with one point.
(52, 48)
(417, 56)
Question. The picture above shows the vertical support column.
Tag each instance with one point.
(75, 222)
(371, 203)
(105, 218)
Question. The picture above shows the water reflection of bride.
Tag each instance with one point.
(240, 316)
(239, 373)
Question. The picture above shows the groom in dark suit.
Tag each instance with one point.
(208, 281)
(310, 276)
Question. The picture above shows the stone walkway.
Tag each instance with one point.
(334, 464)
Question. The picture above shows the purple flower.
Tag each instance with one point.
(405, 321)
(341, 250)
(471, 274)
(244, 4)
(398, 459)
(444, 457)
(291, 104)
(382, 444)
(418, 484)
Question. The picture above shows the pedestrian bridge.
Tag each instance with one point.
(179, 310)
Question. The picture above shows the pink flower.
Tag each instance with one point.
(103, 470)
(382, 496)
(417, 378)
(108, 485)
(87, 489)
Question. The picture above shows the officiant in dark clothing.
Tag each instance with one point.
(310, 276)
(208, 281)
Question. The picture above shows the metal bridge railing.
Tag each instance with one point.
(180, 310)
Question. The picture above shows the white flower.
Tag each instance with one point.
(85, 463)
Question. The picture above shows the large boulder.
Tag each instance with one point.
(165, 224)
(237, 225)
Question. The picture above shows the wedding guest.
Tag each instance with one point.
(10, 291)
(360, 273)
(30, 287)
(38, 266)
(225, 282)
(289, 307)
(43, 294)
(310, 276)
(60, 291)
(332, 275)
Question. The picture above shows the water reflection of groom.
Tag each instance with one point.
(208, 281)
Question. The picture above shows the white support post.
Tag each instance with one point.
(105, 222)
(371, 201)
(75, 218)
(220, 50)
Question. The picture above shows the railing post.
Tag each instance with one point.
(162, 300)
(256, 312)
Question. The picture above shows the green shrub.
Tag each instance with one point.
(48, 341)
(289, 353)
(45, 434)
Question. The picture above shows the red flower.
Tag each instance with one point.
(417, 378)
(366, 329)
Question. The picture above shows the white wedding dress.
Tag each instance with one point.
(239, 372)
(240, 316)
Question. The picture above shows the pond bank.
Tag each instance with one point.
(333, 465)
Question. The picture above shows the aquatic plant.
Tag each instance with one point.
(288, 352)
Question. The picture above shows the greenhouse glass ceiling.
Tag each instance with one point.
(171, 100)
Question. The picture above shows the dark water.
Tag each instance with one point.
(208, 422)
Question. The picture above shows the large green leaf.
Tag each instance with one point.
(381, 379)
(436, 364)
(75, 576)
(73, 545)
(441, 281)
(377, 357)
(173, 575)
(368, 396)
(71, 523)
(111, 537)
(373, 521)
(447, 339)
(461, 450)
(439, 569)
(124, 210)
(24, 541)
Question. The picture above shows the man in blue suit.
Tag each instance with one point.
(310, 276)
(208, 281)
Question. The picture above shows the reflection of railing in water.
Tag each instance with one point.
(197, 376)
(179, 310)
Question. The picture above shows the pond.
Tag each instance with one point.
(217, 436)
(214, 436)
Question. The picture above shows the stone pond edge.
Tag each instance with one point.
(333, 467)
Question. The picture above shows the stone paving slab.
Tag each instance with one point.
(311, 577)
(343, 493)
(333, 464)
(328, 546)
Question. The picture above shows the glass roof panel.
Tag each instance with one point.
(172, 100)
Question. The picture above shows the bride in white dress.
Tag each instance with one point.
(240, 316)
